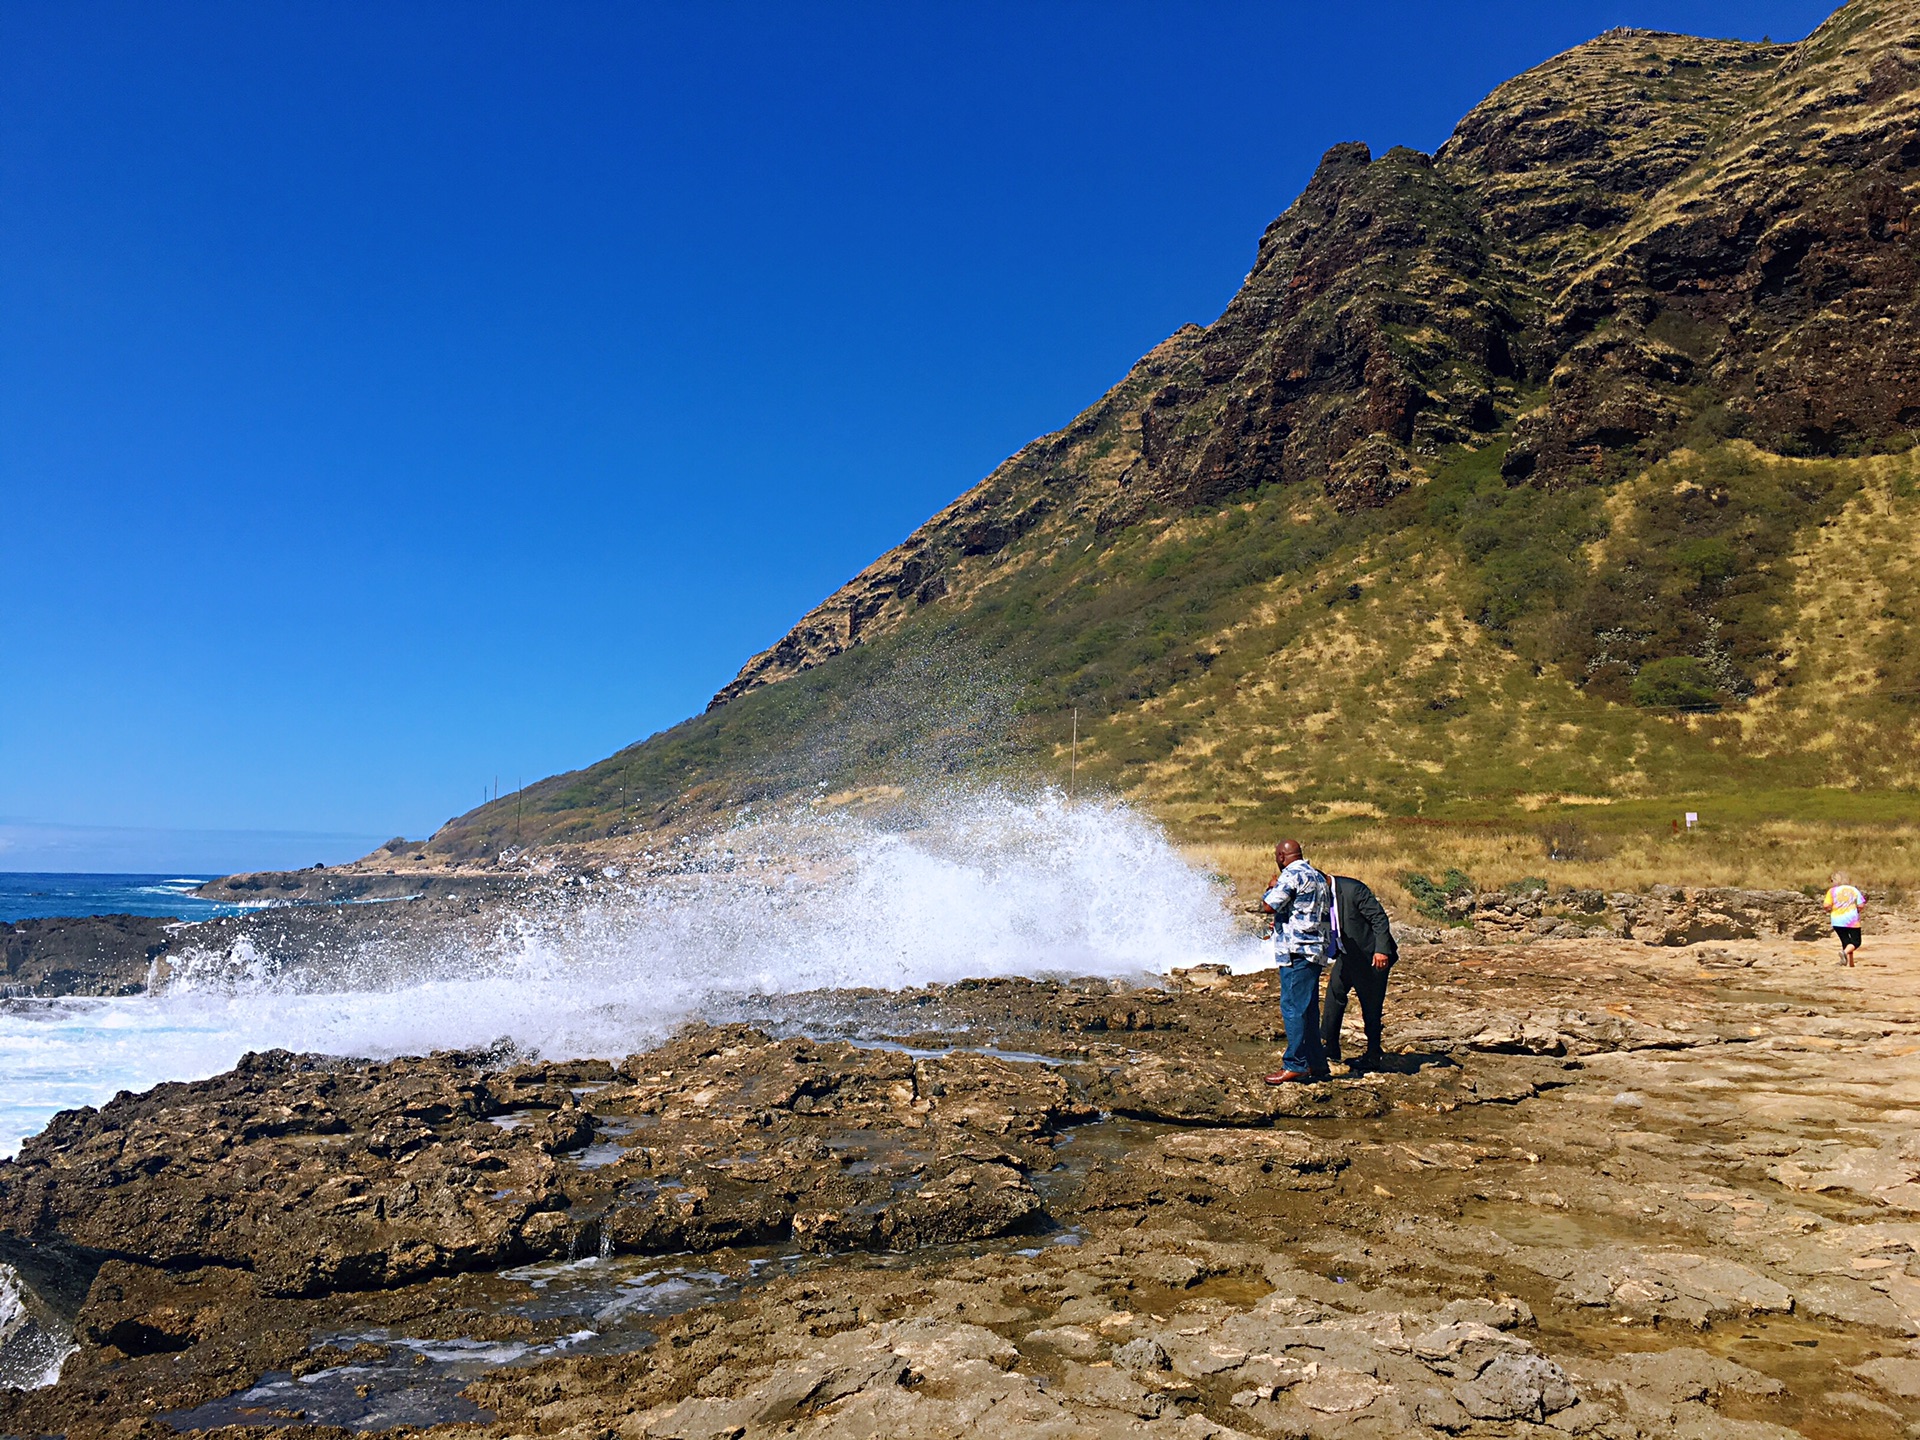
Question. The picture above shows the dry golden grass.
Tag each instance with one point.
(1776, 856)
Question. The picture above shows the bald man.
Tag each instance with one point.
(1300, 899)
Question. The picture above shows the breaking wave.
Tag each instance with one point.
(962, 885)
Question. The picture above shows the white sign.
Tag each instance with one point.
(1693, 819)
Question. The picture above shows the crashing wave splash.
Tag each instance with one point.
(33, 1345)
(971, 884)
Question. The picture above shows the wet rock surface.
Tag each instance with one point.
(89, 955)
(1600, 1188)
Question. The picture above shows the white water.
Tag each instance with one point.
(972, 885)
(32, 1347)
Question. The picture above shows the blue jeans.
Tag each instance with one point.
(1300, 1008)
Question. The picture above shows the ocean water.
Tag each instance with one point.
(36, 897)
(975, 884)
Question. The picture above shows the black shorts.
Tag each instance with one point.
(1849, 935)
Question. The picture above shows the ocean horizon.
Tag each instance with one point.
(48, 895)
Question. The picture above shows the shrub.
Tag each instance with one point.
(1430, 897)
(1710, 558)
(1678, 682)
(1568, 840)
(1696, 565)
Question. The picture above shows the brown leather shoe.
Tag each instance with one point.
(1287, 1077)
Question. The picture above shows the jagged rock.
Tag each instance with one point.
(1142, 1354)
(1669, 915)
(1202, 1092)
(1513, 1035)
(1516, 1387)
(91, 955)
(1694, 1289)
(361, 1175)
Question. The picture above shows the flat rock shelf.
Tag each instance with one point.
(1600, 1189)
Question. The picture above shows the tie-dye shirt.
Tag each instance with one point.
(1843, 905)
(1300, 900)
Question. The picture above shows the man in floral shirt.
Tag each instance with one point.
(1300, 899)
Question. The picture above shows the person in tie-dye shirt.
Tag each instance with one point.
(1844, 904)
(1300, 898)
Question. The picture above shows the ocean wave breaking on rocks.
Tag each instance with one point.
(948, 886)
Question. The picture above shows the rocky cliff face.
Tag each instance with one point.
(1648, 238)
(92, 955)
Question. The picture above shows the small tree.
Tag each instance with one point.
(1678, 682)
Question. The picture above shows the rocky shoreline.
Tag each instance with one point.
(1605, 1188)
(350, 920)
(125, 954)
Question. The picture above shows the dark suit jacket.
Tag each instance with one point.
(1364, 928)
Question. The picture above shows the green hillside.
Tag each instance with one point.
(1569, 464)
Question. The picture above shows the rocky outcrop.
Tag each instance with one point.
(1124, 1231)
(1664, 915)
(335, 885)
(362, 1176)
(90, 955)
(1677, 915)
(356, 1176)
(1770, 276)
(356, 930)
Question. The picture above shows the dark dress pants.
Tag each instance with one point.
(1353, 973)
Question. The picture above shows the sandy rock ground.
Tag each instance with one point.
(1603, 1189)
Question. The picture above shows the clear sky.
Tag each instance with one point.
(398, 396)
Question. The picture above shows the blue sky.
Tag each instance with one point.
(395, 396)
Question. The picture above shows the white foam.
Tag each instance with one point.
(13, 1304)
(966, 885)
(31, 1354)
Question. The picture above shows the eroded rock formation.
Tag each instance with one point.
(1603, 1187)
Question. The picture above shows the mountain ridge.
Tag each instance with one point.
(1656, 289)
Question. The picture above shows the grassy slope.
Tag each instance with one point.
(1372, 691)
(1273, 662)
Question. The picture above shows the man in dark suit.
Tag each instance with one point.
(1366, 957)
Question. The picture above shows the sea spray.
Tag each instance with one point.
(33, 1340)
(943, 886)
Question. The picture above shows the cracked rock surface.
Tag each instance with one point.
(1601, 1189)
